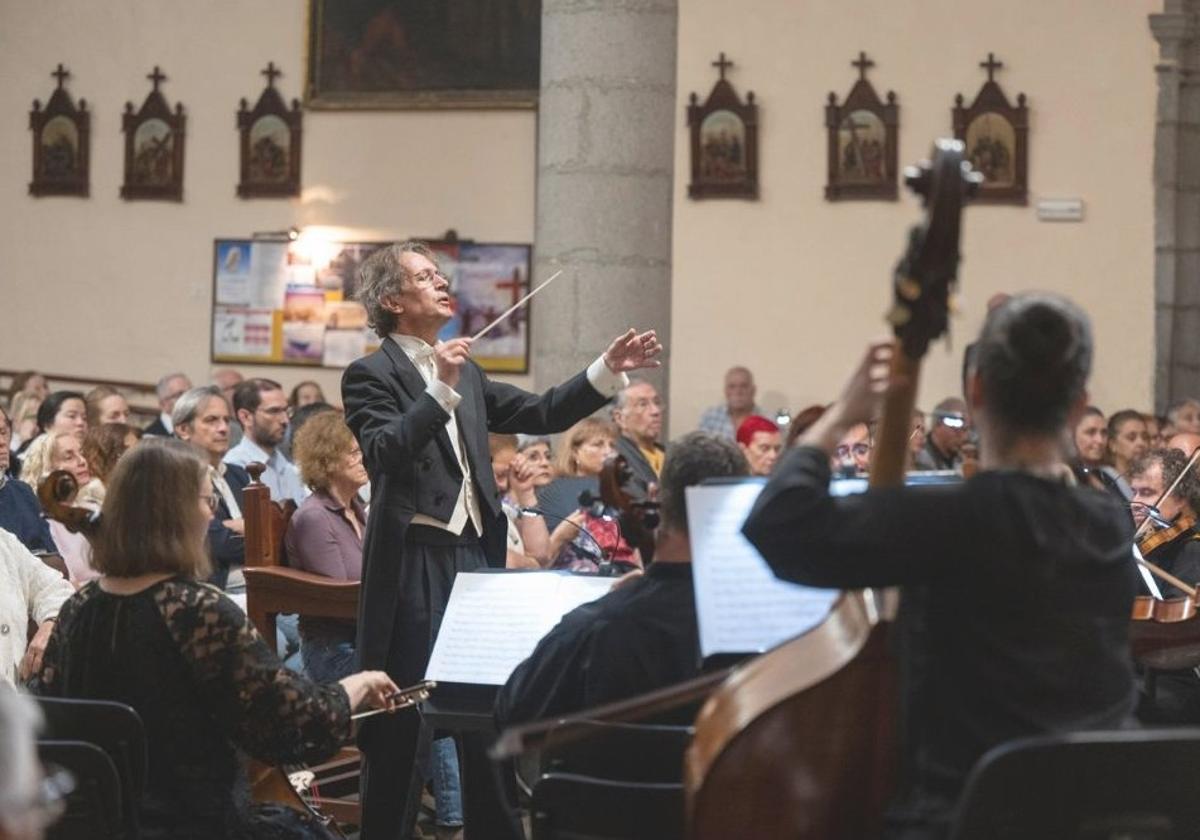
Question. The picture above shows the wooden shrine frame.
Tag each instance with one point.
(261, 155)
(141, 181)
(982, 151)
(865, 155)
(711, 155)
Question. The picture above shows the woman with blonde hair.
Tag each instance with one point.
(149, 634)
(61, 450)
(102, 448)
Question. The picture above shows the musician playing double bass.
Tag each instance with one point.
(1029, 579)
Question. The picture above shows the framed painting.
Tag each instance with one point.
(270, 144)
(996, 136)
(863, 142)
(154, 138)
(724, 141)
(61, 141)
(411, 54)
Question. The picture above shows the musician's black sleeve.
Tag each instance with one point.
(883, 537)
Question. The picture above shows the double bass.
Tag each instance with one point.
(800, 742)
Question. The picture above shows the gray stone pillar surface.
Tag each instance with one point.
(605, 179)
(1177, 202)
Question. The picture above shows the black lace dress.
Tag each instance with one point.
(208, 688)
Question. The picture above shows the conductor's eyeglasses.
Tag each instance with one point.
(427, 278)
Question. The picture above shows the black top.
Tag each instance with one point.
(206, 686)
(1028, 589)
(638, 638)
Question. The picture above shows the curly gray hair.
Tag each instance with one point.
(380, 277)
(690, 460)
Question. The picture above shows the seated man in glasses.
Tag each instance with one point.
(945, 438)
(1173, 544)
(852, 455)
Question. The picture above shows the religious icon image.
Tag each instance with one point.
(402, 54)
(862, 141)
(996, 138)
(154, 145)
(724, 141)
(270, 136)
(60, 143)
(723, 147)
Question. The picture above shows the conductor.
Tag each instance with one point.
(421, 410)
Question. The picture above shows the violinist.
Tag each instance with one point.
(1028, 579)
(1172, 543)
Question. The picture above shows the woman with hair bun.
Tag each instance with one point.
(1027, 576)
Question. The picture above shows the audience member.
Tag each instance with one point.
(306, 393)
(23, 418)
(227, 379)
(1173, 544)
(262, 411)
(1154, 427)
(1090, 437)
(1185, 442)
(528, 539)
(204, 683)
(643, 634)
(102, 448)
(325, 535)
(1184, 416)
(1127, 440)
(32, 383)
(639, 416)
(201, 417)
(536, 451)
(26, 809)
(760, 442)
(725, 419)
(298, 418)
(106, 405)
(591, 536)
(30, 591)
(916, 438)
(852, 455)
(62, 411)
(20, 512)
(170, 388)
(62, 451)
(945, 439)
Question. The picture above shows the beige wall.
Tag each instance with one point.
(114, 289)
(793, 286)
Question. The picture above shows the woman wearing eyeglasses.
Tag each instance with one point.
(149, 634)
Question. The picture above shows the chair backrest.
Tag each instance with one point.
(567, 806)
(93, 808)
(114, 728)
(1129, 784)
(625, 752)
(265, 521)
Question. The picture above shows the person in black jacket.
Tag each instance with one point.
(421, 410)
(1028, 580)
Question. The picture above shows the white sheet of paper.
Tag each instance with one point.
(495, 620)
(740, 605)
(268, 274)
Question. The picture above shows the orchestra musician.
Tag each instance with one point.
(1029, 581)
(150, 634)
(421, 410)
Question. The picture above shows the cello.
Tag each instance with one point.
(799, 742)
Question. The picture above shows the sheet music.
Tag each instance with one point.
(495, 620)
(740, 605)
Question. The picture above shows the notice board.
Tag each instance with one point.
(276, 304)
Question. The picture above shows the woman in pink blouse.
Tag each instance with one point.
(325, 534)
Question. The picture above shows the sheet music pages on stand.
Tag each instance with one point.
(740, 605)
(495, 620)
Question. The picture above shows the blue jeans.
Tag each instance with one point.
(287, 639)
(328, 655)
(447, 787)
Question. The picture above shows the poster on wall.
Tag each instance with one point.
(273, 305)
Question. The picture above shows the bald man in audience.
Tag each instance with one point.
(1185, 442)
(760, 442)
(169, 388)
(725, 419)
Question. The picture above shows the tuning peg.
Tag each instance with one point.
(972, 180)
(899, 315)
(919, 178)
(908, 289)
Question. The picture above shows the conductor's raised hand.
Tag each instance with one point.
(449, 357)
(633, 351)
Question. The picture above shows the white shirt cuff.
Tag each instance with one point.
(604, 380)
(446, 396)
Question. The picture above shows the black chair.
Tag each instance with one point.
(621, 780)
(117, 730)
(1130, 784)
(93, 810)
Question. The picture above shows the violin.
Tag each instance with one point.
(799, 742)
(56, 492)
(637, 517)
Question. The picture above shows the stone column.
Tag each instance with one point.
(606, 127)
(1177, 202)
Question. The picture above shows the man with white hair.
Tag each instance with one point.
(724, 419)
(23, 813)
(170, 388)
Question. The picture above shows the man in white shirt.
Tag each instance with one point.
(421, 410)
(261, 408)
